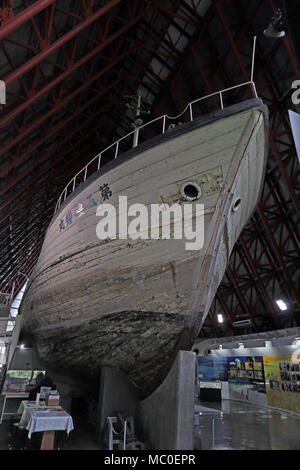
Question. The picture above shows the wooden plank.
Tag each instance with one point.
(48, 440)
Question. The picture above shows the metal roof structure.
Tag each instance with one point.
(70, 68)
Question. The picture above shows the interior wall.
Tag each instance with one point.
(281, 375)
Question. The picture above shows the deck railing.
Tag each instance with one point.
(161, 124)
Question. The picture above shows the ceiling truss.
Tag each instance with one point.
(68, 70)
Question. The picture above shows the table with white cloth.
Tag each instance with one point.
(46, 419)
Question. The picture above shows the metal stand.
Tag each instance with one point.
(112, 433)
(213, 415)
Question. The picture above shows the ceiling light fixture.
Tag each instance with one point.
(282, 305)
(276, 29)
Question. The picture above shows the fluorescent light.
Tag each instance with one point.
(220, 318)
(22, 346)
(281, 304)
(241, 345)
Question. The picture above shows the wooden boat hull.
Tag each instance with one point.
(133, 304)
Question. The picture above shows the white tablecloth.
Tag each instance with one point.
(43, 418)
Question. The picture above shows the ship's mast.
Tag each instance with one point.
(139, 108)
(138, 121)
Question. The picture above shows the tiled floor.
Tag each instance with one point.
(243, 426)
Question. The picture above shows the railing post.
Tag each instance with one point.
(12, 294)
(254, 89)
(117, 149)
(136, 137)
(58, 204)
(253, 58)
(221, 100)
(164, 124)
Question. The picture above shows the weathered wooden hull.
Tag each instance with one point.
(133, 304)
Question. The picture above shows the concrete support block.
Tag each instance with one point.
(166, 417)
(117, 394)
(164, 420)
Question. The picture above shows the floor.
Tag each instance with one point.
(242, 426)
(237, 426)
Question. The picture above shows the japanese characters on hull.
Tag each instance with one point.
(79, 209)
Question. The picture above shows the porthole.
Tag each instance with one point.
(237, 204)
(190, 191)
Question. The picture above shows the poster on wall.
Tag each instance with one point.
(245, 375)
(246, 379)
(246, 369)
(212, 369)
(283, 382)
(237, 369)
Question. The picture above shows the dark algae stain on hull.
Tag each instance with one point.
(125, 338)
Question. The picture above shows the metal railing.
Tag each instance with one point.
(7, 328)
(113, 150)
(6, 298)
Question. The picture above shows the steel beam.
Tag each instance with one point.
(28, 65)
(23, 17)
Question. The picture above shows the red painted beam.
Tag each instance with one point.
(21, 241)
(204, 77)
(23, 17)
(233, 45)
(64, 167)
(278, 254)
(225, 308)
(50, 113)
(259, 280)
(240, 295)
(20, 266)
(58, 43)
(53, 130)
(284, 173)
(45, 156)
(64, 75)
(213, 322)
(53, 164)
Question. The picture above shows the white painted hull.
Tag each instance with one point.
(133, 303)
